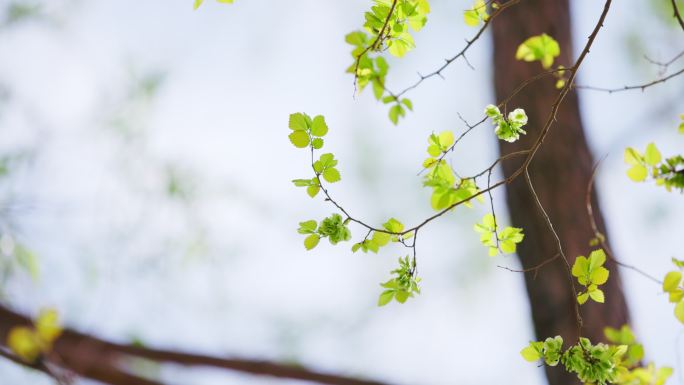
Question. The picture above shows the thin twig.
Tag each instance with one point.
(461, 53)
(602, 237)
(641, 87)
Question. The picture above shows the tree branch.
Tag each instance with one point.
(101, 360)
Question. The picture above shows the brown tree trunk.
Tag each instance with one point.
(560, 172)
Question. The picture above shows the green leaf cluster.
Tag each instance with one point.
(672, 285)
(325, 166)
(590, 273)
(373, 71)
(507, 129)
(332, 227)
(312, 185)
(374, 243)
(398, 110)
(600, 364)
(477, 14)
(392, 30)
(668, 173)
(306, 131)
(403, 286)
(378, 238)
(199, 2)
(542, 48)
(594, 364)
(447, 189)
(439, 144)
(506, 240)
(386, 28)
(550, 350)
(625, 336)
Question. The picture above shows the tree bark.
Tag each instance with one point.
(560, 172)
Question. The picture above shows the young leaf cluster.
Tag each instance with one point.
(308, 132)
(542, 48)
(29, 343)
(672, 285)
(378, 239)
(668, 172)
(599, 364)
(590, 273)
(332, 227)
(373, 71)
(550, 350)
(447, 189)
(507, 129)
(387, 27)
(625, 336)
(506, 240)
(403, 286)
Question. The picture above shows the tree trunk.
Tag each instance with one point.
(560, 173)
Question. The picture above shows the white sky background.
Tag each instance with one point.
(225, 272)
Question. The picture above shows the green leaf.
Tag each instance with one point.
(298, 122)
(434, 150)
(198, 3)
(477, 13)
(582, 298)
(580, 266)
(652, 156)
(331, 175)
(393, 226)
(401, 296)
(317, 143)
(599, 276)
(301, 182)
(381, 239)
(407, 103)
(446, 139)
(541, 48)
(530, 354)
(356, 38)
(307, 227)
(676, 295)
(662, 375)
(313, 190)
(300, 139)
(395, 113)
(679, 311)
(378, 89)
(632, 156)
(597, 295)
(319, 127)
(596, 258)
(637, 173)
(470, 17)
(507, 247)
(385, 297)
(311, 241)
(671, 281)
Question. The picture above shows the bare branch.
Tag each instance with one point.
(641, 87)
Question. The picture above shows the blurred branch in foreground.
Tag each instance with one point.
(81, 355)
